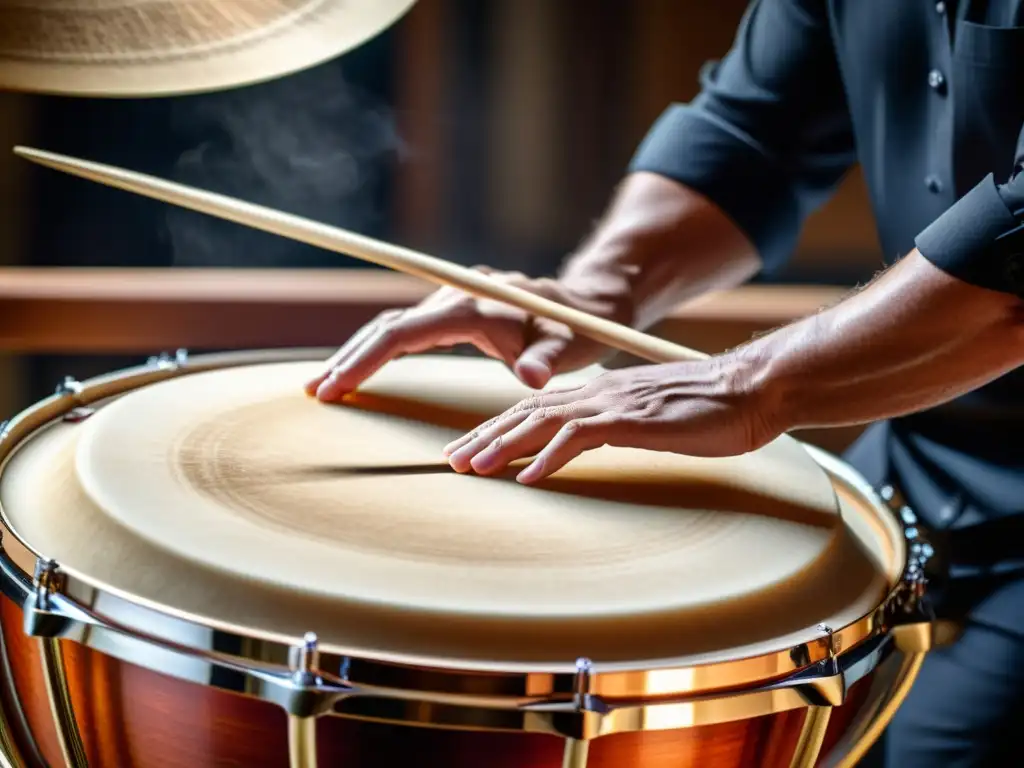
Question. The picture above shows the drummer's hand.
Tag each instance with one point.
(706, 408)
(535, 349)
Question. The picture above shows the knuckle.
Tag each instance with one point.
(390, 333)
(516, 278)
(529, 404)
(573, 428)
(547, 414)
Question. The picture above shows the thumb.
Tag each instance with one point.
(539, 361)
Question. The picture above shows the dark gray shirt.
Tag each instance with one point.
(929, 98)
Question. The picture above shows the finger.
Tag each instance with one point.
(385, 342)
(516, 437)
(348, 347)
(416, 331)
(527, 437)
(539, 360)
(572, 439)
(486, 432)
(478, 440)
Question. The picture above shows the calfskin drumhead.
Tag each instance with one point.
(231, 494)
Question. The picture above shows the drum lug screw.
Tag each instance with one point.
(69, 386)
(305, 660)
(40, 620)
(830, 648)
(165, 361)
(304, 693)
(581, 685)
(45, 578)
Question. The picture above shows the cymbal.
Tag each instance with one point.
(139, 48)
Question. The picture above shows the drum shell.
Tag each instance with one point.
(129, 716)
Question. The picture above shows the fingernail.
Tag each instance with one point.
(529, 474)
(324, 391)
(460, 460)
(483, 461)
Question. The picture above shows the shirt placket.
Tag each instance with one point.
(939, 179)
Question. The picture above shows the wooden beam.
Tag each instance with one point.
(111, 310)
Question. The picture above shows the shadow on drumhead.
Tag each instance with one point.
(675, 493)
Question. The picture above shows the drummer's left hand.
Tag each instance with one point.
(707, 408)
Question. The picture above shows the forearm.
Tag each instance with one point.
(914, 338)
(662, 243)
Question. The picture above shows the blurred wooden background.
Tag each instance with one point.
(512, 120)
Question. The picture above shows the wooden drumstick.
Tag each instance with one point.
(332, 238)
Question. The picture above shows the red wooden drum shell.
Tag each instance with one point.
(131, 717)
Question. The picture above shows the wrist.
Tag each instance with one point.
(765, 393)
(604, 284)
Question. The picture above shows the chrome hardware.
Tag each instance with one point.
(69, 386)
(78, 415)
(305, 659)
(581, 685)
(165, 361)
(577, 745)
(73, 388)
(5, 428)
(830, 647)
(45, 579)
(304, 693)
(41, 616)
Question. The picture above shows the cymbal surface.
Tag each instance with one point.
(173, 47)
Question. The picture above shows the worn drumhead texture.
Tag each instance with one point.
(232, 495)
(158, 47)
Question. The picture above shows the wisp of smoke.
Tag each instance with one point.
(311, 144)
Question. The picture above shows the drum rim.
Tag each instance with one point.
(636, 680)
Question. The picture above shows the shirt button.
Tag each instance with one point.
(940, 8)
(937, 80)
(933, 184)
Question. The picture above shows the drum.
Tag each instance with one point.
(203, 567)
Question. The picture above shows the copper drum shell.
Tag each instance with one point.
(66, 701)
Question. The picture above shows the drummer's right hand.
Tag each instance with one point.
(534, 348)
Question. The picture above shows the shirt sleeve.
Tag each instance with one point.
(763, 140)
(980, 238)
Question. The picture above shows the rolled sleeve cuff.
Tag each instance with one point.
(964, 241)
(691, 146)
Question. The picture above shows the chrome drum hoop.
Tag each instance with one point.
(579, 700)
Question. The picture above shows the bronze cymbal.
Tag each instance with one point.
(139, 48)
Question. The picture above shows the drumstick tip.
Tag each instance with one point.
(33, 154)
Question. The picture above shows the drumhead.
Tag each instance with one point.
(231, 495)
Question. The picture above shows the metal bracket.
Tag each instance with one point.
(72, 387)
(304, 692)
(165, 361)
(68, 387)
(911, 616)
(40, 617)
